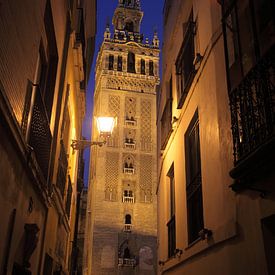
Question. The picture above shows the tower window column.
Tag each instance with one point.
(111, 62)
(142, 66)
(131, 63)
(151, 68)
(119, 63)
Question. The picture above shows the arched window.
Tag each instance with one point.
(142, 66)
(126, 254)
(128, 219)
(151, 67)
(119, 63)
(131, 63)
(129, 26)
(111, 62)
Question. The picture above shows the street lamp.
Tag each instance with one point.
(105, 126)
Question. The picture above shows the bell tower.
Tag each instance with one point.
(122, 204)
(127, 17)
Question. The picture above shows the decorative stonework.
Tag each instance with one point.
(114, 110)
(130, 84)
(146, 125)
(145, 178)
(111, 175)
(130, 107)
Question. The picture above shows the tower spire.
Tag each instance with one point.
(132, 4)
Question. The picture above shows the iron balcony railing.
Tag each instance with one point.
(40, 138)
(252, 106)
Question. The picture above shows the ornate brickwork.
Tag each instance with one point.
(130, 107)
(130, 84)
(146, 125)
(111, 175)
(145, 179)
(114, 110)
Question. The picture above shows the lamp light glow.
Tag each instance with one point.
(105, 125)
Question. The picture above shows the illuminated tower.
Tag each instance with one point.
(122, 213)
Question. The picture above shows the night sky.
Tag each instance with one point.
(152, 19)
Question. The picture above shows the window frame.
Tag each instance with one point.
(185, 68)
(194, 198)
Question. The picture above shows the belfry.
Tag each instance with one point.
(121, 236)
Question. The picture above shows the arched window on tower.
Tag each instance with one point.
(129, 26)
(128, 219)
(111, 62)
(128, 223)
(119, 63)
(142, 66)
(131, 63)
(151, 67)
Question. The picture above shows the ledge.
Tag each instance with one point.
(220, 235)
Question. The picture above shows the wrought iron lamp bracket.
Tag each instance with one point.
(83, 144)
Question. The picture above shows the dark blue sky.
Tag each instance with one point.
(152, 19)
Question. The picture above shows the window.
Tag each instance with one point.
(142, 66)
(129, 26)
(184, 65)
(119, 63)
(131, 63)
(48, 92)
(193, 180)
(249, 49)
(166, 119)
(128, 219)
(151, 68)
(248, 28)
(69, 197)
(172, 222)
(111, 62)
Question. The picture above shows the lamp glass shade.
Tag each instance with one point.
(105, 125)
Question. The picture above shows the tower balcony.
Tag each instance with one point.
(128, 171)
(129, 145)
(127, 228)
(128, 199)
(130, 121)
(127, 262)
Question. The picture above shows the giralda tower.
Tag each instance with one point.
(122, 207)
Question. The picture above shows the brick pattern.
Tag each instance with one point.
(111, 179)
(145, 178)
(146, 125)
(114, 110)
(130, 107)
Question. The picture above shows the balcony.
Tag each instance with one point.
(128, 199)
(127, 228)
(127, 262)
(129, 144)
(40, 133)
(130, 121)
(128, 171)
(252, 106)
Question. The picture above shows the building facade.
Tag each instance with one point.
(121, 222)
(216, 207)
(46, 50)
